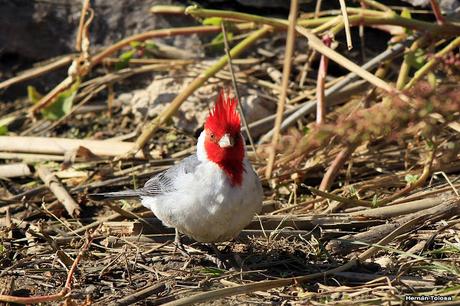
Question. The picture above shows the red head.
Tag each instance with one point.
(224, 143)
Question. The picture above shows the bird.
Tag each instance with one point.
(211, 195)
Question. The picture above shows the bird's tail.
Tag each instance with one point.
(114, 195)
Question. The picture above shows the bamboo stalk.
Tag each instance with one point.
(59, 146)
(14, 170)
(72, 208)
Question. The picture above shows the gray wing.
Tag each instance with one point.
(164, 182)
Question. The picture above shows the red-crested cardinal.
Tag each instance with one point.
(209, 196)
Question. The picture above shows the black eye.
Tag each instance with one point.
(212, 136)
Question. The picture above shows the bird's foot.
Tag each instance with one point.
(178, 246)
(218, 258)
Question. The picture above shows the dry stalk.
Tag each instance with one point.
(35, 72)
(343, 8)
(81, 27)
(72, 208)
(14, 170)
(97, 59)
(235, 88)
(405, 66)
(290, 41)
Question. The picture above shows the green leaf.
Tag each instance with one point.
(375, 202)
(124, 58)
(33, 95)
(410, 179)
(212, 21)
(150, 45)
(218, 42)
(4, 122)
(213, 271)
(2, 248)
(406, 13)
(63, 103)
(135, 44)
(417, 59)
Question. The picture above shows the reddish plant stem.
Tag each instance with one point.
(322, 73)
(437, 12)
(335, 166)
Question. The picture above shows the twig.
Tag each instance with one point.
(235, 88)
(97, 59)
(72, 208)
(140, 295)
(410, 186)
(319, 46)
(334, 197)
(163, 33)
(343, 8)
(81, 27)
(377, 5)
(289, 50)
(14, 170)
(37, 71)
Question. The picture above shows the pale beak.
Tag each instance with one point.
(226, 141)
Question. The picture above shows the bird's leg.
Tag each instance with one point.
(178, 246)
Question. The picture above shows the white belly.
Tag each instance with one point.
(206, 207)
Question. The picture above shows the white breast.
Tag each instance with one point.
(206, 206)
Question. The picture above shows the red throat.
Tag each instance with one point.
(225, 120)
